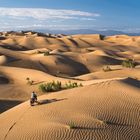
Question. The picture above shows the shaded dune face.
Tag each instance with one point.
(65, 65)
(2, 38)
(4, 80)
(106, 107)
(7, 104)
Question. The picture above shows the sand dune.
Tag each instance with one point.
(93, 110)
(116, 72)
(106, 107)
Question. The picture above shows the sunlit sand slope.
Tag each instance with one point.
(108, 110)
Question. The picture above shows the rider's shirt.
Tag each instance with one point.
(33, 95)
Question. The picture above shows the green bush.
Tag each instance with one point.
(72, 125)
(72, 85)
(46, 53)
(107, 68)
(56, 86)
(80, 85)
(50, 87)
(27, 78)
(129, 63)
(29, 81)
(102, 37)
(42, 87)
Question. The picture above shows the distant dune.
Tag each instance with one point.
(106, 107)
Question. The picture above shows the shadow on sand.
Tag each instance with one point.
(132, 82)
(48, 101)
(7, 104)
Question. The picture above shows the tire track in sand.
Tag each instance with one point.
(13, 125)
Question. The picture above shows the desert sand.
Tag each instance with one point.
(107, 107)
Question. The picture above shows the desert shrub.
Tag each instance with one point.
(46, 53)
(72, 85)
(29, 81)
(102, 37)
(129, 63)
(42, 87)
(27, 78)
(80, 85)
(57, 85)
(50, 86)
(71, 125)
(106, 69)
